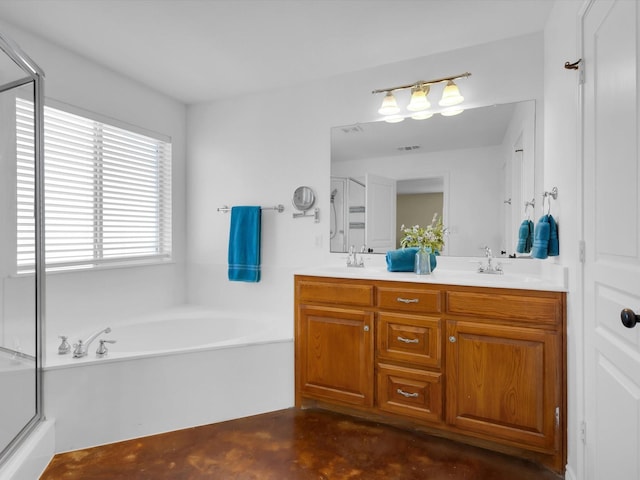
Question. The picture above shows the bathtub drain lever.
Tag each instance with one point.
(102, 349)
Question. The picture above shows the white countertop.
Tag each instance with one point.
(521, 274)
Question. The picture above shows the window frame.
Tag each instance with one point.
(162, 218)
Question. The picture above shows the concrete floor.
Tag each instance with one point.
(291, 444)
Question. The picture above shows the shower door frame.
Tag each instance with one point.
(36, 75)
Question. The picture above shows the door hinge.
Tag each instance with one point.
(583, 432)
(557, 417)
(581, 251)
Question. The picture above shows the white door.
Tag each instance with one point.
(612, 239)
(380, 213)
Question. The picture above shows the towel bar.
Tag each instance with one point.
(279, 208)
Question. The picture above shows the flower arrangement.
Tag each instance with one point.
(429, 238)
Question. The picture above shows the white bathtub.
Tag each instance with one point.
(169, 373)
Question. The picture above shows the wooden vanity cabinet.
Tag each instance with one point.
(476, 364)
(334, 342)
(505, 373)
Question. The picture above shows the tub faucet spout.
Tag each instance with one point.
(81, 348)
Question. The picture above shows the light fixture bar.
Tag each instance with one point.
(422, 82)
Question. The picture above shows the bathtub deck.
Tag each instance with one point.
(290, 444)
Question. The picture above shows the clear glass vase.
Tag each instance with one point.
(422, 265)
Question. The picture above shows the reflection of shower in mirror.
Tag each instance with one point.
(347, 213)
(334, 220)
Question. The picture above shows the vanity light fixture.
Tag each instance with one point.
(389, 105)
(419, 103)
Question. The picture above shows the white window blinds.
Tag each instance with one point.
(107, 192)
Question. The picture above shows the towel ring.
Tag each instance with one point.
(531, 204)
(553, 194)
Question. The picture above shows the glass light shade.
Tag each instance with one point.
(394, 119)
(419, 100)
(389, 105)
(450, 95)
(422, 115)
(450, 112)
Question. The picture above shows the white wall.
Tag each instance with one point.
(561, 169)
(77, 299)
(257, 149)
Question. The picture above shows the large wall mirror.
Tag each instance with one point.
(474, 170)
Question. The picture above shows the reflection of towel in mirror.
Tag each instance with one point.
(401, 260)
(525, 237)
(244, 244)
(545, 238)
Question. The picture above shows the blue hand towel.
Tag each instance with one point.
(244, 244)
(554, 241)
(525, 237)
(401, 260)
(541, 238)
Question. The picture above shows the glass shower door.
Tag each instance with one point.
(19, 243)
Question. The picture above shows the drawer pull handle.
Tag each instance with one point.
(407, 300)
(407, 394)
(408, 340)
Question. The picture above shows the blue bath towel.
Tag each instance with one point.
(541, 238)
(401, 260)
(244, 244)
(554, 240)
(525, 237)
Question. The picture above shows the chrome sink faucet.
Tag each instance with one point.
(352, 259)
(490, 267)
(81, 348)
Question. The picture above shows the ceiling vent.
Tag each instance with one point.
(352, 129)
(409, 148)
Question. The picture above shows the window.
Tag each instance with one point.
(107, 192)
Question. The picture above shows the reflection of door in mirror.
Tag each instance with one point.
(362, 213)
(380, 213)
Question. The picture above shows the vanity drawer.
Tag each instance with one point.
(529, 308)
(409, 338)
(409, 300)
(410, 392)
(334, 292)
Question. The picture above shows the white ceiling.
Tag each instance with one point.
(201, 50)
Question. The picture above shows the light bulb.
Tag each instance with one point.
(422, 115)
(419, 99)
(389, 105)
(393, 118)
(450, 112)
(450, 95)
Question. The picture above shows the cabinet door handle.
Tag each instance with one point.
(452, 339)
(408, 340)
(366, 328)
(407, 300)
(407, 394)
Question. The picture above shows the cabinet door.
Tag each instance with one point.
(335, 354)
(504, 382)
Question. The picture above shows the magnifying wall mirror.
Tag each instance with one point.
(303, 198)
